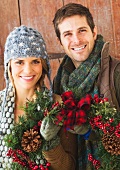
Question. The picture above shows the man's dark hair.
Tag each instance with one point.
(69, 10)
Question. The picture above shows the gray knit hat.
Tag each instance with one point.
(25, 42)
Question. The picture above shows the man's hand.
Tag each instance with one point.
(80, 129)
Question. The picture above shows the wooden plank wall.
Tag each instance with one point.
(39, 15)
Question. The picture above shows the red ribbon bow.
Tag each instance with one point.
(74, 113)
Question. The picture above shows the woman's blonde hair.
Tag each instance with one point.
(44, 72)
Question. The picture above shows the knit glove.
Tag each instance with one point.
(80, 129)
(48, 129)
(85, 132)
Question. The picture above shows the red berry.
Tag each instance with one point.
(47, 164)
(105, 99)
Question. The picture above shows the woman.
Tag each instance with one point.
(26, 64)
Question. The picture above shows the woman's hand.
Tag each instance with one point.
(48, 129)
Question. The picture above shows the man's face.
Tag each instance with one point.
(77, 38)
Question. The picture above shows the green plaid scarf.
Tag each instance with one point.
(81, 80)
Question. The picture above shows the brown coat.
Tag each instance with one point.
(106, 79)
(64, 156)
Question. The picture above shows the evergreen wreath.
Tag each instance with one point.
(105, 121)
(25, 141)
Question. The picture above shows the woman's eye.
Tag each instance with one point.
(19, 62)
(36, 62)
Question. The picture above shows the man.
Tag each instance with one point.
(86, 68)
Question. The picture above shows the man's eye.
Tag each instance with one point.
(83, 30)
(68, 34)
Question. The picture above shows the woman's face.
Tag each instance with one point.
(26, 72)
